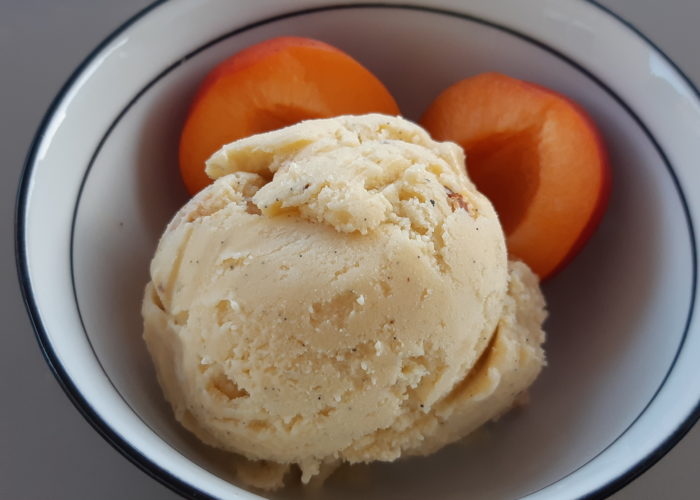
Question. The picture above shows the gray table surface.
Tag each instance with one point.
(47, 450)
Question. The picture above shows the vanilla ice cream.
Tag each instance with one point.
(341, 293)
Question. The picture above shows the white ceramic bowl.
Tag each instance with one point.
(621, 387)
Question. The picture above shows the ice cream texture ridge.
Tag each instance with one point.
(341, 293)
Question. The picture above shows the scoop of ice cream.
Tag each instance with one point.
(340, 293)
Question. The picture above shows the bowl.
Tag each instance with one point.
(620, 389)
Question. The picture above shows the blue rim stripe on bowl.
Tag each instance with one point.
(117, 442)
(667, 444)
(162, 475)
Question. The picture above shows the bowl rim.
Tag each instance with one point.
(121, 444)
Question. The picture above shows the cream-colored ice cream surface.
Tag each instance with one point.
(340, 293)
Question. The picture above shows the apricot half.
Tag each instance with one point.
(270, 85)
(538, 157)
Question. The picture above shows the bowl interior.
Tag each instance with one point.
(616, 314)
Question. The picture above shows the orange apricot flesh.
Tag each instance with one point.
(538, 157)
(270, 85)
